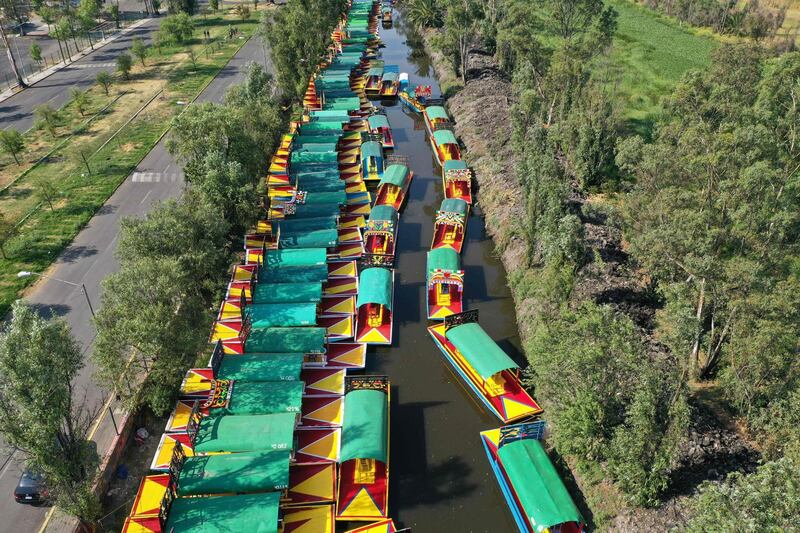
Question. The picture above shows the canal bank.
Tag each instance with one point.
(440, 477)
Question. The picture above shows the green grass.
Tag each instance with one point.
(650, 54)
(46, 232)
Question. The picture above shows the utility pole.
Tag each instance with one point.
(20, 80)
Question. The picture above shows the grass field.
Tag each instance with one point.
(45, 230)
(649, 56)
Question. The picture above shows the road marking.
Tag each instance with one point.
(145, 197)
(93, 65)
(155, 177)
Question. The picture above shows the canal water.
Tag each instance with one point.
(440, 479)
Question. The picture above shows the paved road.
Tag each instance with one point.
(17, 111)
(90, 259)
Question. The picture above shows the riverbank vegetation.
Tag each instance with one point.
(654, 274)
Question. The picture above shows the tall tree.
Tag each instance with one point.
(39, 414)
(191, 230)
(460, 23)
(151, 325)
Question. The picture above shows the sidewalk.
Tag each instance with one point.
(39, 76)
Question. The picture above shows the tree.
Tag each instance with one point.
(46, 118)
(36, 52)
(87, 13)
(767, 500)
(46, 189)
(105, 80)
(214, 5)
(607, 400)
(124, 64)
(192, 230)
(112, 11)
(17, 11)
(255, 5)
(12, 142)
(242, 11)
(460, 25)
(150, 328)
(80, 99)
(139, 49)
(192, 55)
(177, 28)
(424, 13)
(39, 415)
(12, 61)
(62, 31)
(298, 35)
(185, 7)
(8, 230)
(713, 217)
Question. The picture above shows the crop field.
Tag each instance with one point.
(651, 53)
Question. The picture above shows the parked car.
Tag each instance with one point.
(31, 488)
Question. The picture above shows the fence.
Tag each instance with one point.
(54, 52)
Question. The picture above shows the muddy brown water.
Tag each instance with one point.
(440, 479)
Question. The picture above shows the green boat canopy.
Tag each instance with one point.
(436, 112)
(441, 137)
(540, 490)
(378, 121)
(313, 198)
(293, 258)
(234, 472)
(383, 212)
(264, 397)
(281, 315)
(294, 274)
(454, 164)
(286, 340)
(389, 76)
(444, 259)
(317, 210)
(322, 146)
(349, 104)
(375, 287)
(375, 71)
(245, 433)
(262, 367)
(291, 225)
(394, 175)
(478, 348)
(307, 156)
(316, 125)
(271, 293)
(454, 205)
(307, 239)
(330, 114)
(371, 149)
(365, 426)
(256, 513)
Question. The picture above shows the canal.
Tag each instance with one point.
(440, 478)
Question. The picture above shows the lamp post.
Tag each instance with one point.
(26, 273)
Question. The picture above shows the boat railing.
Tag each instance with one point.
(459, 319)
(397, 159)
(375, 260)
(367, 136)
(443, 125)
